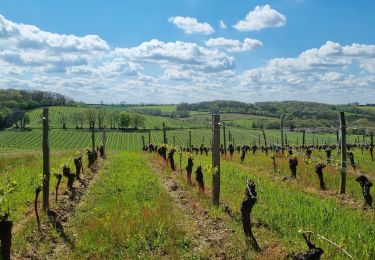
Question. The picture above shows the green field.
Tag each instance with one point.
(128, 212)
(151, 122)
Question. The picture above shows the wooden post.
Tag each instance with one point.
(286, 140)
(303, 138)
(180, 159)
(229, 137)
(337, 137)
(282, 134)
(297, 141)
(104, 141)
(93, 136)
(203, 140)
(165, 141)
(143, 141)
(343, 153)
(265, 139)
(258, 140)
(46, 162)
(216, 159)
(149, 136)
(189, 139)
(225, 139)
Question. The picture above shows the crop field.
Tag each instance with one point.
(151, 122)
(132, 140)
(132, 205)
(287, 206)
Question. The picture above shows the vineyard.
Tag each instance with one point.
(143, 204)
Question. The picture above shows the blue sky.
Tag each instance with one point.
(190, 50)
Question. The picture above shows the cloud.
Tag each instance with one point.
(260, 18)
(223, 25)
(29, 46)
(331, 71)
(31, 37)
(232, 45)
(191, 25)
(188, 55)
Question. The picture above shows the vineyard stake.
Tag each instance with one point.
(180, 159)
(216, 159)
(46, 162)
(265, 139)
(343, 152)
(190, 140)
(149, 136)
(104, 141)
(282, 134)
(164, 134)
(143, 141)
(93, 136)
(225, 139)
(303, 137)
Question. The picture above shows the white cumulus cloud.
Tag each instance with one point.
(232, 45)
(261, 17)
(191, 25)
(189, 55)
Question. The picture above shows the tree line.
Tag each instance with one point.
(296, 114)
(101, 118)
(14, 103)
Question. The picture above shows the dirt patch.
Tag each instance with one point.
(209, 234)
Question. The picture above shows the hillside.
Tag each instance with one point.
(295, 113)
(14, 104)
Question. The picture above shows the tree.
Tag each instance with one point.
(101, 117)
(111, 119)
(91, 117)
(81, 118)
(63, 119)
(116, 118)
(124, 120)
(75, 119)
(25, 121)
(137, 120)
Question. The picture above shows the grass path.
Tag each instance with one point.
(127, 214)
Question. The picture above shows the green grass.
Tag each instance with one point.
(25, 167)
(128, 215)
(287, 208)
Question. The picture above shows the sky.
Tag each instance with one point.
(172, 51)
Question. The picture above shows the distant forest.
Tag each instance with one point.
(14, 103)
(297, 114)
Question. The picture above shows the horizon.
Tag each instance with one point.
(191, 50)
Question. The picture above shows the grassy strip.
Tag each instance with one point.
(127, 214)
(286, 209)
